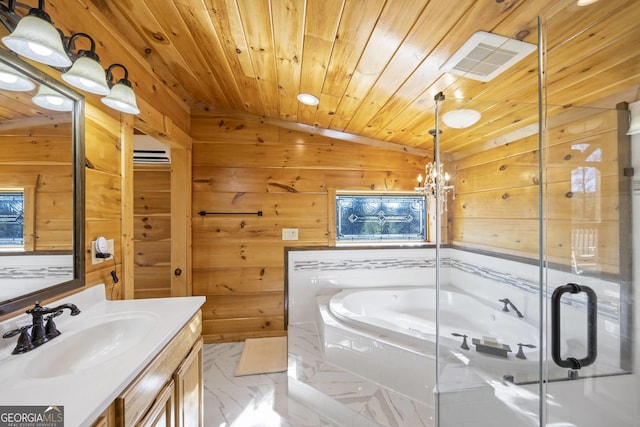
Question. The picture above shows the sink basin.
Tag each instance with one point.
(101, 339)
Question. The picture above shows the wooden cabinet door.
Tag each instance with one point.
(107, 419)
(188, 380)
(161, 414)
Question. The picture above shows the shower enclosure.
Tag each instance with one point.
(570, 181)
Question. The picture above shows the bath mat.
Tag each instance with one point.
(263, 356)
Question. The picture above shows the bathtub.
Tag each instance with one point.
(365, 329)
(410, 314)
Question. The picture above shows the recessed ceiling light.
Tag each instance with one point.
(460, 119)
(308, 99)
(585, 2)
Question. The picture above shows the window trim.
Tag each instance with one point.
(332, 220)
(25, 184)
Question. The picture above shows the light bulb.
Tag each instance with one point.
(8, 78)
(39, 49)
(87, 82)
(55, 100)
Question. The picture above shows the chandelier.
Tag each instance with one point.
(436, 181)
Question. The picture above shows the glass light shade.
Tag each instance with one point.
(634, 122)
(37, 39)
(52, 100)
(88, 75)
(460, 119)
(122, 98)
(308, 99)
(11, 79)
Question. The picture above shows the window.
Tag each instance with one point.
(380, 217)
(17, 214)
(11, 219)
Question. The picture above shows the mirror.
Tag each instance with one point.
(41, 186)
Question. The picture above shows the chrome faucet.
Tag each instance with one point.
(507, 303)
(40, 333)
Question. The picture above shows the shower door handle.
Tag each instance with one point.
(592, 326)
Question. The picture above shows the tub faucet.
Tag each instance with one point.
(40, 333)
(507, 303)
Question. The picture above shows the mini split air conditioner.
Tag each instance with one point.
(147, 150)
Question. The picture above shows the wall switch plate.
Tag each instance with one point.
(289, 234)
(94, 258)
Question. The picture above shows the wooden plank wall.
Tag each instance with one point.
(109, 140)
(103, 194)
(496, 204)
(152, 231)
(44, 152)
(248, 166)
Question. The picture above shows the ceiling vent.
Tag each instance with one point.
(147, 150)
(486, 55)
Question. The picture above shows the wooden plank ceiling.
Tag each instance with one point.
(374, 64)
(17, 111)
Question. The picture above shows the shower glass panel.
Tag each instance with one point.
(587, 228)
(535, 295)
(489, 307)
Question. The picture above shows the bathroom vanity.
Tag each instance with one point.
(117, 363)
(168, 389)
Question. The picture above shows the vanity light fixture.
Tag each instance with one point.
(10, 79)
(121, 97)
(460, 119)
(308, 99)
(36, 38)
(86, 73)
(52, 100)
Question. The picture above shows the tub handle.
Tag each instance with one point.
(464, 345)
(592, 325)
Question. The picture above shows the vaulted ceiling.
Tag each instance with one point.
(375, 64)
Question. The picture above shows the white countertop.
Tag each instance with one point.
(87, 390)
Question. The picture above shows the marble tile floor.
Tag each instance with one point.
(311, 394)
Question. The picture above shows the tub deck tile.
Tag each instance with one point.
(370, 401)
(313, 393)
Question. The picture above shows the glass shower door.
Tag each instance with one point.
(587, 216)
(564, 351)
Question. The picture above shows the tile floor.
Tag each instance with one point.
(252, 400)
(311, 394)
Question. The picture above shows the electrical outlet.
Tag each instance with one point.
(110, 247)
(109, 250)
(289, 234)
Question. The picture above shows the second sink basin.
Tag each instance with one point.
(100, 339)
